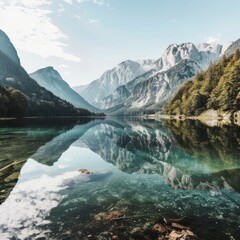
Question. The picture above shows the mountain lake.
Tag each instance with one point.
(61, 178)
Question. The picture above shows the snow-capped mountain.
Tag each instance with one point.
(163, 77)
(110, 80)
(155, 87)
(50, 79)
(7, 47)
(202, 54)
(161, 86)
(147, 64)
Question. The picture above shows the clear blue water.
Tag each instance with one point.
(139, 167)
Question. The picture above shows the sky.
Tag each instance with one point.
(83, 38)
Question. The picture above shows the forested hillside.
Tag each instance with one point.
(216, 88)
(40, 101)
(12, 102)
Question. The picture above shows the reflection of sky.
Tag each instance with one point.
(38, 191)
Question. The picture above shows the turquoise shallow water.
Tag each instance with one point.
(139, 167)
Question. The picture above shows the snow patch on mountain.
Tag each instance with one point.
(110, 80)
(146, 82)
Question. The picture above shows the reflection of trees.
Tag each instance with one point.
(20, 140)
(214, 146)
(148, 148)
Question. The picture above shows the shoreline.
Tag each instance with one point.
(210, 117)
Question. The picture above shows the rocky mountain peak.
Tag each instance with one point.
(210, 47)
(176, 53)
(47, 73)
(50, 79)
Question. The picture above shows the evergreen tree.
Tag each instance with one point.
(217, 88)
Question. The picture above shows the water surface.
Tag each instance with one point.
(139, 167)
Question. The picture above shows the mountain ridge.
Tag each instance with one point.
(217, 89)
(51, 79)
(202, 54)
(40, 102)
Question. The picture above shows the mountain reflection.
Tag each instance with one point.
(135, 164)
(19, 140)
(149, 147)
(188, 154)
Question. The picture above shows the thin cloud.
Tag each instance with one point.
(97, 2)
(63, 66)
(31, 29)
(78, 17)
(93, 21)
(101, 3)
(212, 39)
(68, 1)
(61, 8)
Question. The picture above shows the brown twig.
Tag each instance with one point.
(136, 216)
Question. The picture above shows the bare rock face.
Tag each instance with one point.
(140, 84)
(110, 80)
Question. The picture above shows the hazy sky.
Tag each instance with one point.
(84, 38)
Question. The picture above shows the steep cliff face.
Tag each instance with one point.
(118, 96)
(110, 80)
(40, 101)
(7, 48)
(157, 80)
(178, 64)
(161, 86)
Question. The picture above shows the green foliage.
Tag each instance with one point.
(40, 101)
(217, 88)
(208, 143)
(13, 103)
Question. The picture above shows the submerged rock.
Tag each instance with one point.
(160, 228)
(85, 171)
(106, 216)
(183, 235)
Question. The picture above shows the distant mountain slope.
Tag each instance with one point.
(80, 89)
(160, 86)
(110, 80)
(7, 47)
(232, 48)
(50, 79)
(217, 88)
(116, 89)
(151, 91)
(40, 101)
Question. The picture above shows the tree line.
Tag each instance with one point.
(216, 88)
(13, 103)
